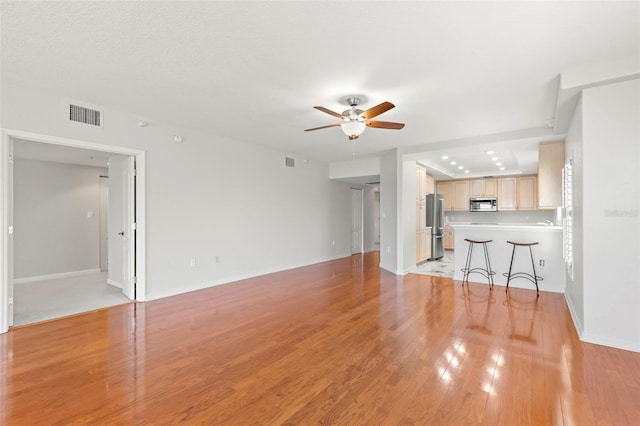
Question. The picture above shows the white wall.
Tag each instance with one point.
(611, 205)
(408, 215)
(52, 233)
(390, 199)
(209, 196)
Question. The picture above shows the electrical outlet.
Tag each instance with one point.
(217, 259)
(541, 262)
(333, 242)
(192, 263)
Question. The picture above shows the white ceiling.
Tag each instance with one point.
(484, 73)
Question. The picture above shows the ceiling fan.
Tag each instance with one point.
(354, 120)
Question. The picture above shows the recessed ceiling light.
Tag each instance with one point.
(453, 163)
(466, 171)
(494, 159)
(501, 168)
(460, 167)
(444, 157)
(498, 164)
(489, 152)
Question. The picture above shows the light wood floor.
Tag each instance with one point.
(340, 342)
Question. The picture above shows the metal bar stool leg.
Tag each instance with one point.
(535, 276)
(467, 265)
(513, 252)
(488, 263)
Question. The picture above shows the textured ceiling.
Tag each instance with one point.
(253, 70)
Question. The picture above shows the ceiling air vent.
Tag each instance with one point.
(289, 162)
(84, 115)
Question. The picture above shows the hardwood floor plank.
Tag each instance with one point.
(340, 342)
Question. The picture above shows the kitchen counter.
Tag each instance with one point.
(493, 225)
(547, 254)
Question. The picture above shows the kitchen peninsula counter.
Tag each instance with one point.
(547, 254)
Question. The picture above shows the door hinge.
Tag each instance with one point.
(11, 300)
(134, 226)
(10, 159)
(135, 172)
(11, 230)
(134, 280)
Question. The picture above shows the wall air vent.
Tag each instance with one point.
(85, 115)
(289, 162)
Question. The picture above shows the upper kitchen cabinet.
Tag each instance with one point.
(424, 183)
(483, 188)
(431, 188)
(550, 163)
(527, 194)
(447, 190)
(461, 200)
(517, 193)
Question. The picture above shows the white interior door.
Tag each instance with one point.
(121, 251)
(356, 220)
(104, 223)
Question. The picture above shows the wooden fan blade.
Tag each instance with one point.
(377, 110)
(328, 111)
(322, 127)
(385, 125)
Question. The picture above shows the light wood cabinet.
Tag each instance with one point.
(550, 163)
(456, 194)
(430, 184)
(517, 193)
(446, 189)
(448, 238)
(483, 188)
(526, 193)
(424, 185)
(507, 193)
(461, 190)
(423, 245)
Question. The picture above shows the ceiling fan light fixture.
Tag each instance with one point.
(353, 127)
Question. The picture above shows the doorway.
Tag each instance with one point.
(131, 241)
(357, 239)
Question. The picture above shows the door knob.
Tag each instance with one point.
(121, 233)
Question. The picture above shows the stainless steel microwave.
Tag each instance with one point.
(483, 205)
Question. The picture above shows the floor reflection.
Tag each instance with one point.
(522, 315)
(478, 303)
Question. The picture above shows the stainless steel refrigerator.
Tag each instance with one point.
(435, 219)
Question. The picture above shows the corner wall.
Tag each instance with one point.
(611, 206)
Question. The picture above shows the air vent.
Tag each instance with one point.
(289, 162)
(84, 115)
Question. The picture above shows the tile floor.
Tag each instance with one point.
(443, 267)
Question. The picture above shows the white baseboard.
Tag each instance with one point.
(577, 323)
(55, 276)
(114, 283)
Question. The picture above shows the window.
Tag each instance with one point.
(567, 221)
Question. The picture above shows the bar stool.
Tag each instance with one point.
(486, 271)
(531, 277)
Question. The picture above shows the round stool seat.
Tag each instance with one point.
(479, 241)
(523, 244)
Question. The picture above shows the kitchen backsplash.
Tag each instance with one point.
(503, 217)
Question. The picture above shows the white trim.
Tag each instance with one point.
(576, 320)
(608, 341)
(114, 283)
(140, 155)
(55, 276)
